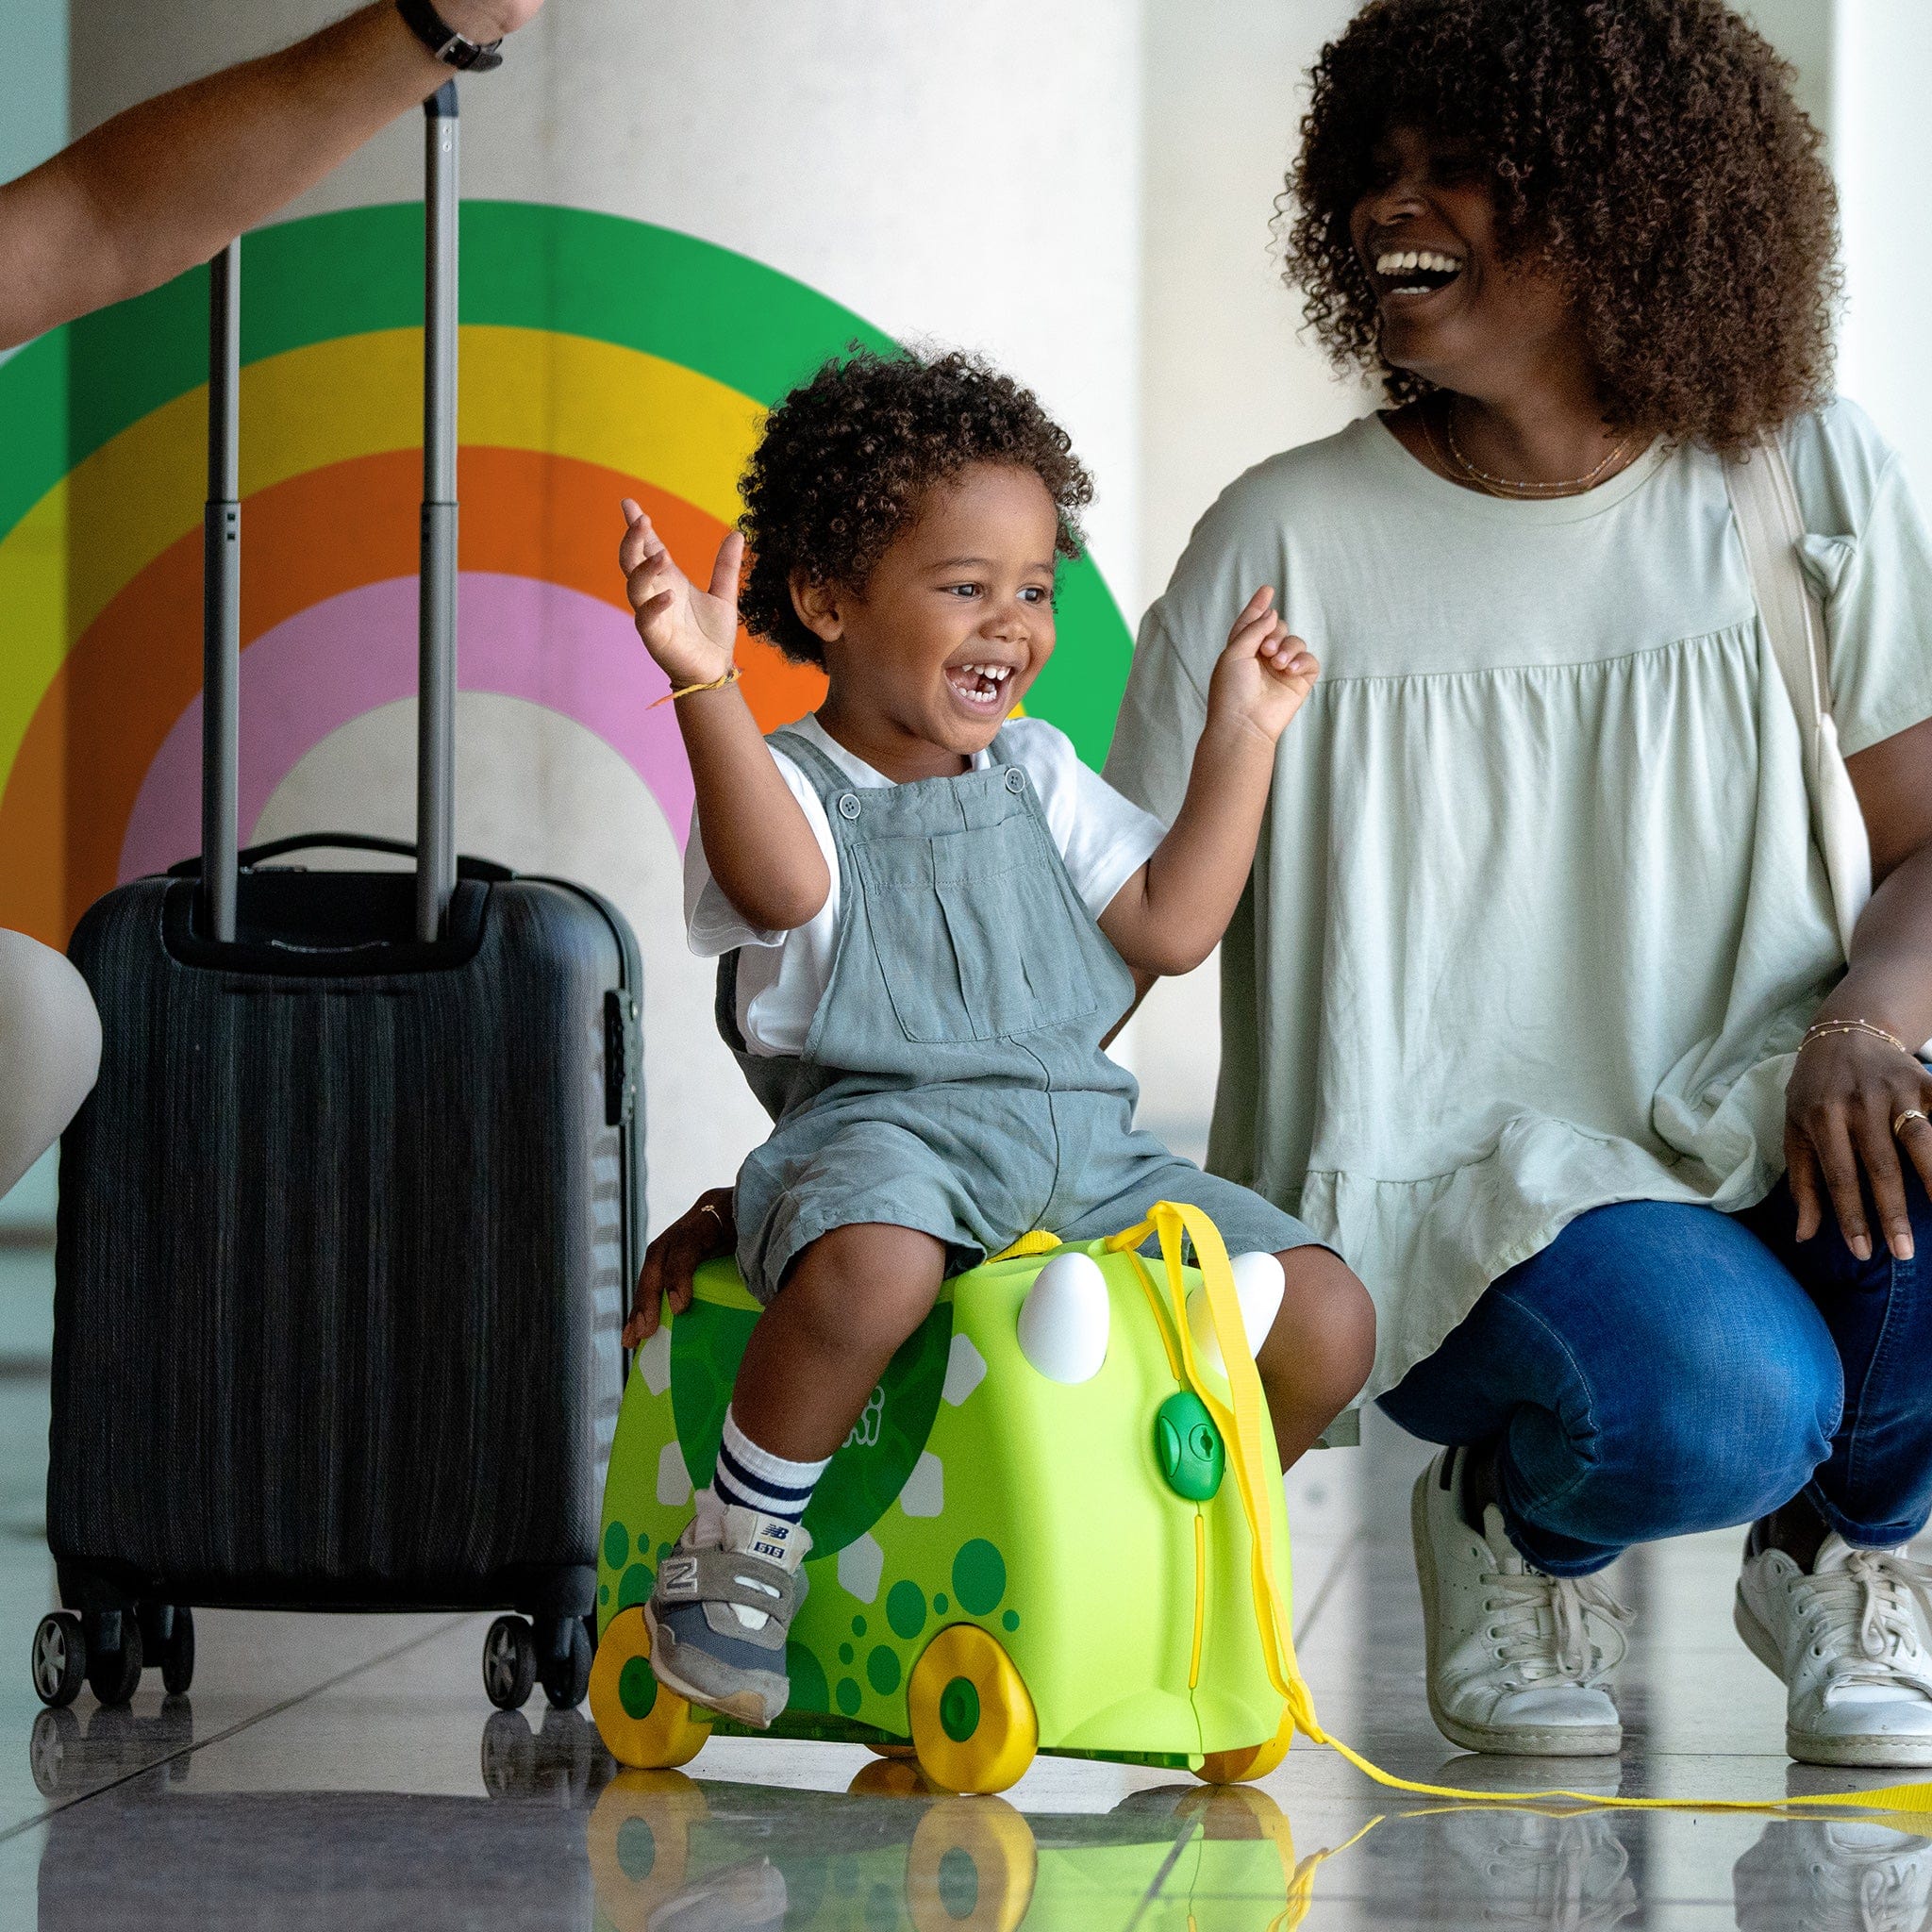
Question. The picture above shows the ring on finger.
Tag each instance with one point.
(1912, 1113)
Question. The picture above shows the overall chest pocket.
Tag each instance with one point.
(976, 934)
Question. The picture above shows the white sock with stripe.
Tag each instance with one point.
(754, 1479)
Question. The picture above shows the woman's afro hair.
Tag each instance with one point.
(846, 459)
(1649, 150)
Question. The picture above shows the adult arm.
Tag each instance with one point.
(175, 179)
(1848, 1088)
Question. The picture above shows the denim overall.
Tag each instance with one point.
(952, 1079)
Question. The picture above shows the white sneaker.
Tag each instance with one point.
(1851, 1642)
(1518, 1660)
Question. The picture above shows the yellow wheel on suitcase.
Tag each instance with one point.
(643, 1724)
(1246, 1761)
(973, 1726)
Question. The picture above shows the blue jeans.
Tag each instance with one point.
(1659, 1369)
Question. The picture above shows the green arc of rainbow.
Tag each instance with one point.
(601, 357)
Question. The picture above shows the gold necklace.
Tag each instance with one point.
(1506, 485)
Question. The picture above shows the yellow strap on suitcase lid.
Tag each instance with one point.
(1240, 1422)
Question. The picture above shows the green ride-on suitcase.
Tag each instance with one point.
(1035, 1538)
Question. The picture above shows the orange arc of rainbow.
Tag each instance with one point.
(137, 666)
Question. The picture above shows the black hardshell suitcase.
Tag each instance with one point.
(347, 1225)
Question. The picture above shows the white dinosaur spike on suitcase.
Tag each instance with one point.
(1258, 1285)
(1064, 1321)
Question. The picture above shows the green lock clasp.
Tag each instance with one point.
(1187, 1447)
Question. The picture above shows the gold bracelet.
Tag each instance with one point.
(730, 677)
(1820, 1028)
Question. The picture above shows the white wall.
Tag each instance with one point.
(1882, 146)
(33, 60)
(1225, 376)
(971, 176)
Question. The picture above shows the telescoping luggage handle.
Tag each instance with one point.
(435, 862)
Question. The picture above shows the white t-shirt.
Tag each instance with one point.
(1103, 838)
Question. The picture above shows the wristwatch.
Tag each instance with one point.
(449, 47)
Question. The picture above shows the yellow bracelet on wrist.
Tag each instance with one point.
(730, 677)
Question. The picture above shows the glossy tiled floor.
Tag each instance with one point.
(346, 1772)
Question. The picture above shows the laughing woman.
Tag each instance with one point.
(1537, 1007)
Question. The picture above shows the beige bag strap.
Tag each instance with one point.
(1764, 500)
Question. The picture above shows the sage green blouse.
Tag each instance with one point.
(1535, 921)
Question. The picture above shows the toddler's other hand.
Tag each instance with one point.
(688, 632)
(705, 1229)
(1265, 673)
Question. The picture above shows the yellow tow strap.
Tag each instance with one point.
(1241, 1429)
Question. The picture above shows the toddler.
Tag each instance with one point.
(931, 916)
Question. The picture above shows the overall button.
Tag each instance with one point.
(848, 805)
(1016, 778)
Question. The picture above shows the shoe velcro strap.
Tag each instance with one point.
(729, 1576)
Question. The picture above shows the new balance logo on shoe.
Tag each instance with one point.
(678, 1575)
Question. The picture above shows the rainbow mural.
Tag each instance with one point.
(601, 358)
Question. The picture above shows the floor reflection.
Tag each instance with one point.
(1850, 1877)
(73, 1751)
(556, 1836)
(669, 1851)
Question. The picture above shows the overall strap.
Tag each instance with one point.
(828, 780)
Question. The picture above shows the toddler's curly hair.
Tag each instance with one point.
(846, 460)
(1650, 151)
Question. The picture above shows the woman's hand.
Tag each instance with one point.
(689, 633)
(1845, 1091)
(705, 1229)
(1265, 673)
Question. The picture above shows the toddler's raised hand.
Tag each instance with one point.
(1265, 673)
(687, 631)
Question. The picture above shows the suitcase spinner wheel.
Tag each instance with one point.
(59, 1659)
(167, 1638)
(114, 1656)
(556, 1653)
(565, 1671)
(509, 1663)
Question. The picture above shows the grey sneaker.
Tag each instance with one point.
(724, 1601)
